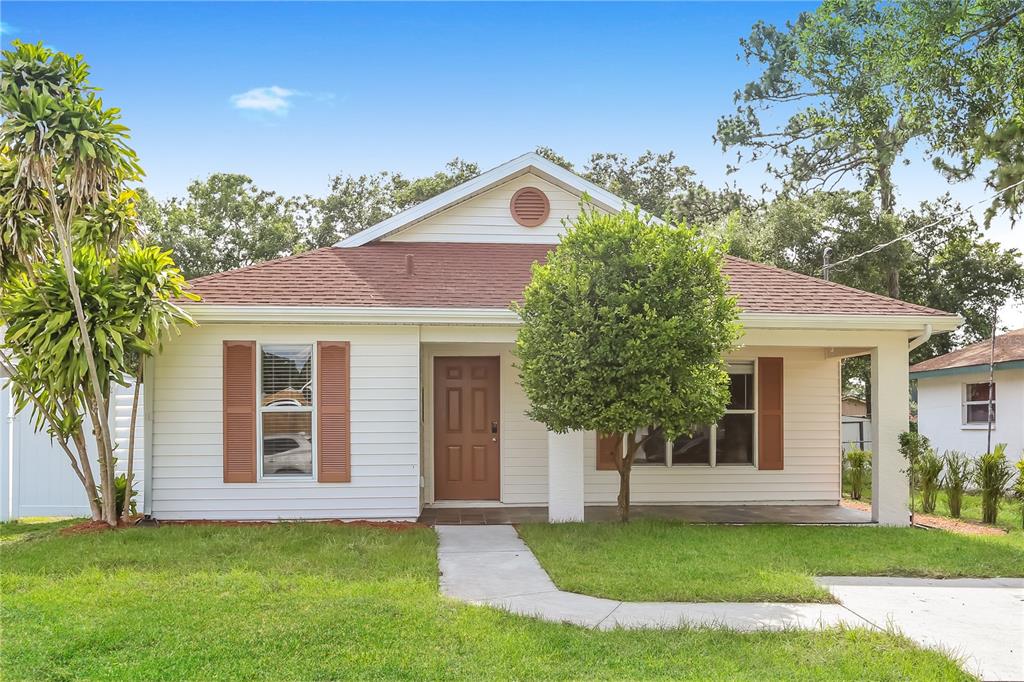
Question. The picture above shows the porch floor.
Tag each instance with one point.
(791, 513)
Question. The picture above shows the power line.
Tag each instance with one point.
(874, 249)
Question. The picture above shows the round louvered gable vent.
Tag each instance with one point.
(530, 207)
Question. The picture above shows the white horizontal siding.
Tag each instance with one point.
(811, 473)
(486, 218)
(188, 430)
(940, 413)
(524, 451)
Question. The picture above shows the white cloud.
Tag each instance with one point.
(6, 29)
(272, 100)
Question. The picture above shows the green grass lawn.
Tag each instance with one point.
(649, 560)
(318, 601)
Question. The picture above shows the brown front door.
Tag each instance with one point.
(466, 429)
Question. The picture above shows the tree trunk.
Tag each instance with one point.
(126, 512)
(103, 440)
(623, 498)
(625, 467)
(887, 204)
(90, 483)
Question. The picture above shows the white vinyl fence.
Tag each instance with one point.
(36, 478)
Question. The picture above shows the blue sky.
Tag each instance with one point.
(293, 93)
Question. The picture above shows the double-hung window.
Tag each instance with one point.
(286, 434)
(731, 441)
(976, 403)
(734, 434)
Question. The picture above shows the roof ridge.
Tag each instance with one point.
(261, 264)
(834, 285)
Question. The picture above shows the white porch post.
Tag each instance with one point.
(890, 400)
(565, 476)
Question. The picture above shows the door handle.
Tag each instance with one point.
(494, 431)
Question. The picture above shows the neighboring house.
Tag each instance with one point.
(856, 424)
(36, 478)
(395, 349)
(953, 396)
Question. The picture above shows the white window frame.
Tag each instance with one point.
(965, 404)
(261, 410)
(713, 435)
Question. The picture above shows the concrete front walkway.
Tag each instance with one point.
(981, 620)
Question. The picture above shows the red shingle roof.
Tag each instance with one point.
(462, 275)
(1009, 347)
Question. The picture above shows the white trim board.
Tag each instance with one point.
(208, 312)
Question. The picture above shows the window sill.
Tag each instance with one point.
(286, 479)
(978, 427)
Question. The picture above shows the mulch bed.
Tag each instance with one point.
(395, 526)
(962, 526)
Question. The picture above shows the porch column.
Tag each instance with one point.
(565, 476)
(890, 402)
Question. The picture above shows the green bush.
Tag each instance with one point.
(121, 490)
(1018, 488)
(913, 445)
(929, 470)
(858, 468)
(958, 475)
(992, 474)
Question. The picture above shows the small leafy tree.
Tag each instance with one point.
(913, 446)
(929, 471)
(858, 468)
(1018, 489)
(625, 328)
(958, 475)
(82, 302)
(992, 475)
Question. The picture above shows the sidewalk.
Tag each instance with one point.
(492, 566)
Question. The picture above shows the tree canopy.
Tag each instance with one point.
(626, 327)
(81, 301)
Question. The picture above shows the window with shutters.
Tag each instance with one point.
(286, 411)
(731, 441)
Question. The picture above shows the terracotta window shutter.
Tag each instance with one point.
(239, 395)
(770, 400)
(333, 416)
(609, 446)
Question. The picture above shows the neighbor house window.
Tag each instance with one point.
(976, 403)
(286, 411)
(731, 441)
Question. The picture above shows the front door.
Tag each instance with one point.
(466, 429)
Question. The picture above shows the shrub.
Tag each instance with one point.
(958, 475)
(912, 446)
(1018, 488)
(992, 474)
(121, 488)
(929, 470)
(858, 468)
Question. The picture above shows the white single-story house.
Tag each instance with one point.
(375, 378)
(953, 396)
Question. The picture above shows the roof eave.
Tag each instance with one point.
(214, 313)
(966, 369)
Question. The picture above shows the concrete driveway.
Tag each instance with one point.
(978, 621)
